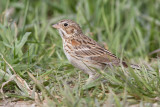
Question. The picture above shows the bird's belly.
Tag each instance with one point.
(84, 66)
(75, 62)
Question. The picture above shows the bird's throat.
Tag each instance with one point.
(63, 34)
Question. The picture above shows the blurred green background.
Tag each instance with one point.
(128, 28)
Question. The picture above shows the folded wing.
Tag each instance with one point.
(88, 49)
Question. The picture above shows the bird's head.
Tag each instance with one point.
(67, 28)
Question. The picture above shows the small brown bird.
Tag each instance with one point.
(83, 52)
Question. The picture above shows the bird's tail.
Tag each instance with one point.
(134, 66)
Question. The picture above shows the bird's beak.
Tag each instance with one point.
(57, 26)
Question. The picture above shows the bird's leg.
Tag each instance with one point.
(92, 78)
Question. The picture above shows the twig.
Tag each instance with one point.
(10, 79)
(22, 84)
(8, 64)
(155, 51)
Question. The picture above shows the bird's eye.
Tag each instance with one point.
(65, 24)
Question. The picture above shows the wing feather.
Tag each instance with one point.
(91, 50)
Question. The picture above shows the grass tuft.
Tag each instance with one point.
(129, 29)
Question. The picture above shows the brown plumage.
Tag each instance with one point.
(82, 51)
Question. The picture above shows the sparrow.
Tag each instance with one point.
(85, 53)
